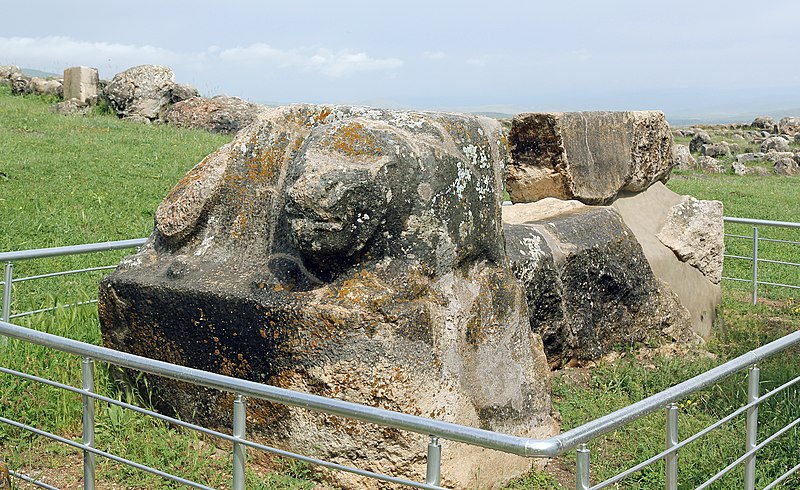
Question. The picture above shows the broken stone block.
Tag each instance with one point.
(588, 156)
(647, 215)
(141, 93)
(220, 114)
(80, 83)
(588, 283)
(694, 230)
(352, 253)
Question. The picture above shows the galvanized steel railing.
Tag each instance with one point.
(575, 439)
(578, 437)
(755, 258)
(10, 257)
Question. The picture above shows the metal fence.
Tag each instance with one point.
(578, 439)
(10, 257)
(755, 258)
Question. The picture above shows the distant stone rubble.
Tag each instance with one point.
(761, 148)
(146, 93)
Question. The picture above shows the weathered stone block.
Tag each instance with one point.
(647, 214)
(683, 158)
(699, 139)
(588, 156)
(80, 83)
(348, 252)
(694, 230)
(588, 284)
(142, 92)
(221, 114)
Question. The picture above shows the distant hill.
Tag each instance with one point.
(39, 73)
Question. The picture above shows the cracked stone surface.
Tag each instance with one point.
(348, 252)
(588, 283)
(141, 92)
(587, 156)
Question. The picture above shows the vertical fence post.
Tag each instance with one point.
(239, 450)
(87, 373)
(582, 462)
(671, 460)
(753, 376)
(7, 282)
(433, 472)
(755, 264)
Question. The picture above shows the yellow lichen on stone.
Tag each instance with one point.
(353, 140)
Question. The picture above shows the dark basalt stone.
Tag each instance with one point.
(349, 252)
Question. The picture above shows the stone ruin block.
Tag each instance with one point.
(141, 93)
(80, 83)
(587, 156)
(351, 253)
(588, 283)
(683, 241)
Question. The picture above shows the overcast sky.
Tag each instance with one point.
(684, 57)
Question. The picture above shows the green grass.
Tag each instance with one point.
(76, 180)
(73, 180)
(768, 198)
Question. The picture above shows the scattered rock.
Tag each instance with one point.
(775, 143)
(588, 156)
(715, 150)
(142, 92)
(710, 164)
(347, 252)
(7, 70)
(221, 114)
(699, 139)
(71, 107)
(749, 157)
(774, 156)
(787, 167)
(763, 122)
(683, 158)
(20, 84)
(789, 126)
(739, 168)
(45, 86)
(738, 137)
(182, 91)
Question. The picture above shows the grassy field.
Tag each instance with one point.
(70, 180)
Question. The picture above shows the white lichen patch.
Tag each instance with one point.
(463, 177)
(409, 120)
(531, 247)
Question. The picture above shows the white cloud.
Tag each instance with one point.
(476, 61)
(433, 55)
(326, 61)
(55, 53)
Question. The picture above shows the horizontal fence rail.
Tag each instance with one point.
(10, 257)
(556, 445)
(755, 257)
(577, 439)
